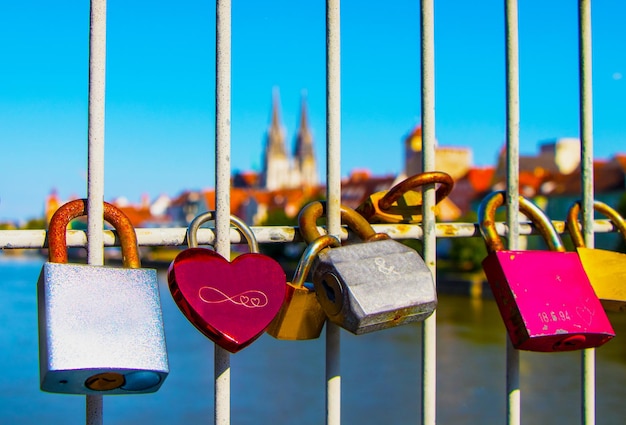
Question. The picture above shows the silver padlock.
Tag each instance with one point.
(100, 328)
(369, 286)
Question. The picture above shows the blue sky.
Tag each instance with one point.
(161, 87)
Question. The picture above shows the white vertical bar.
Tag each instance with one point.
(333, 195)
(586, 133)
(222, 187)
(429, 327)
(513, 401)
(95, 167)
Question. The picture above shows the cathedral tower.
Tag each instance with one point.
(276, 167)
(304, 156)
(280, 171)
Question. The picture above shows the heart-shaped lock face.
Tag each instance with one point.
(232, 303)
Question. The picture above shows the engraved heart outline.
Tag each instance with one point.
(585, 313)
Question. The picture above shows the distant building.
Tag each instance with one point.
(556, 157)
(453, 160)
(280, 170)
(52, 203)
(564, 153)
(360, 184)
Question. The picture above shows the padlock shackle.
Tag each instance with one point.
(309, 254)
(486, 220)
(57, 243)
(246, 231)
(307, 222)
(411, 183)
(575, 231)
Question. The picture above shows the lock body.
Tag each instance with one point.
(300, 317)
(406, 209)
(100, 330)
(606, 269)
(607, 273)
(374, 285)
(546, 300)
(403, 203)
(231, 303)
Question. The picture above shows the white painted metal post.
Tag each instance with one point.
(333, 195)
(95, 167)
(429, 327)
(513, 401)
(222, 187)
(588, 357)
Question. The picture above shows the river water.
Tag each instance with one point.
(282, 382)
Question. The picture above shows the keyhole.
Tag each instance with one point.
(333, 301)
(330, 292)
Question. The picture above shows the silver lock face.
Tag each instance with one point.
(374, 285)
(100, 330)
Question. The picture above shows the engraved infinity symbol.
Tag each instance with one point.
(249, 299)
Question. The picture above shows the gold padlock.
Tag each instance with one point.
(606, 269)
(301, 316)
(402, 203)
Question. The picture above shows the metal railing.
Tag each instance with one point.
(428, 231)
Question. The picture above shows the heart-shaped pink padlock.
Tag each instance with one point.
(232, 303)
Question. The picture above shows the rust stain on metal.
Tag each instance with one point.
(403, 228)
(57, 243)
(283, 235)
(559, 226)
(448, 229)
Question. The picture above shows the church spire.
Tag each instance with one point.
(276, 167)
(304, 140)
(275, 136)
(304, 155)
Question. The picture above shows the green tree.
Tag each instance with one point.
(467, 254)
(286, 254)
(34, 224)
(621, 209)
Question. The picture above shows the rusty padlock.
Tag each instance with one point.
(402, 203)
(231, 303)
(544, 297)
(301, 316)
(606, 269)
(100, 328)
(368, 286)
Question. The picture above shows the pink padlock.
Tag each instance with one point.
(231, 303)
(544, 297)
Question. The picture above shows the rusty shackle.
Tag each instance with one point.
(307, 222)
(572, 221)
(415, 181)
(487, 223)
(57, 244)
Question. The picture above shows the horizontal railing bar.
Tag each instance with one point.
(33, 239)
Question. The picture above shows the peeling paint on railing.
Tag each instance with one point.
(35, 239)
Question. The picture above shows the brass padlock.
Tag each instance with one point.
(606, 269)
(402, 203)
(100, 328)
(368, 286)
(301, 316)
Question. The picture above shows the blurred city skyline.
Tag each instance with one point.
(161, 88)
